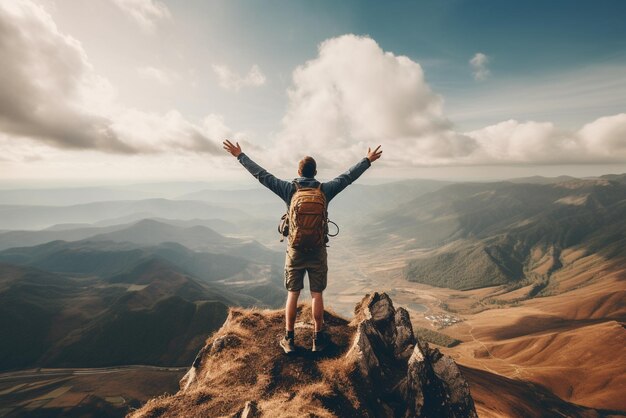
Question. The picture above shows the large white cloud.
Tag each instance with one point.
(353, 95)
(605, 138)
(513, 142)
(49, 92)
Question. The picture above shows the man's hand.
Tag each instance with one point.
(234, 150)
(374, 155)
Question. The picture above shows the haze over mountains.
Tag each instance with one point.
(103, 278)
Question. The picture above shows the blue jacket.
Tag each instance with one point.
(286, 189)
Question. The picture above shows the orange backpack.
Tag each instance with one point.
(307, 218)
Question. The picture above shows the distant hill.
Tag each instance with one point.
(541, 179)
(481, 234)
(63, 232)
(242, 267)
(151, 232)
(218, 225)
(76, 232)
(29, 300)
(107, 259)
(52, 320)
(38, 217)
(620, 178)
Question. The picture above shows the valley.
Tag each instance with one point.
(565, 348)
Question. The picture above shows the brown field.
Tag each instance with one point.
(56, 392)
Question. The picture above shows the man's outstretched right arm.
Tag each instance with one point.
(281, 187)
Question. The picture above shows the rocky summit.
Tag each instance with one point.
(375, 367)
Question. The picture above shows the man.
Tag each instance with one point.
(298, 261)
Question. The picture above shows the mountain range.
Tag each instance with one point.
(128, 296)
(526, 277)
(484, 234)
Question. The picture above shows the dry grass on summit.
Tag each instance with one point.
(251, 366)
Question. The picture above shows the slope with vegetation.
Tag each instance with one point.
(477, 235)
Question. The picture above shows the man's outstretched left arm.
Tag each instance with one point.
(281, 187)
(335, 186)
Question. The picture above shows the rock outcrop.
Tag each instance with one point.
(405, 378)
(374, 368)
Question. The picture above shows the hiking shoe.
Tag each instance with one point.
(287, 345)
(321, 342)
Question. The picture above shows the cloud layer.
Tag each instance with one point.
(352, 95)
(49, 92)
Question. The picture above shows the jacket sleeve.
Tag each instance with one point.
(333, 187)
(281, 187)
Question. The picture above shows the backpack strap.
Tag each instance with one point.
(296, 185)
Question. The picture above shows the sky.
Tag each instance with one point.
(146, 90)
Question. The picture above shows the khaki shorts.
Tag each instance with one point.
(314, 262)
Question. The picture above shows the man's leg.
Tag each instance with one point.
(290, 309)
(294, 282)
(294, 278)
(317, 306)
(318, 276)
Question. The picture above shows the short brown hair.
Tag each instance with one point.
(307, 167)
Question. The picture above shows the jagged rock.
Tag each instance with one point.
(386, 352)
(405, 339)
(362, 351)
(375, 367)
(378, 308)
(415, 380)
(457, 388)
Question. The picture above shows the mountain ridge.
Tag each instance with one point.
(507, 227)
